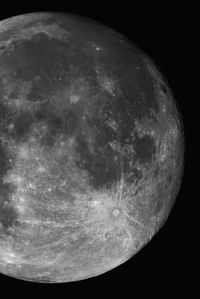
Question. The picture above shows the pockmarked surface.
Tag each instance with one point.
(91, 148)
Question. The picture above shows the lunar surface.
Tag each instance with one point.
(91, 148)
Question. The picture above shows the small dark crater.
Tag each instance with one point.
(2, 48)
(163, 88)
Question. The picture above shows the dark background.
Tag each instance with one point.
(164, 33)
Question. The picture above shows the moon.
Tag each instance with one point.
(91, 148)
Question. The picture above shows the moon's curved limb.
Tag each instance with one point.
(92, 145)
